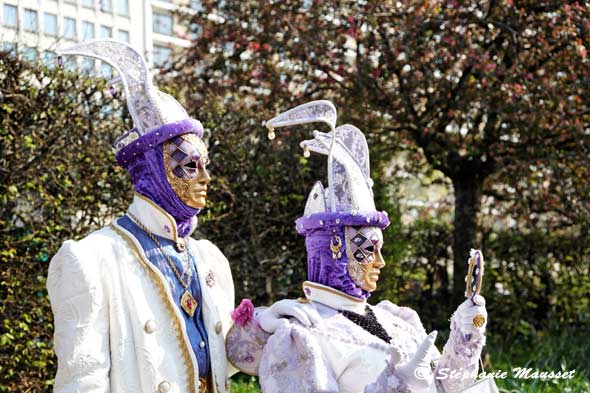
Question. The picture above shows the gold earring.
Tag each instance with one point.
(336, 246)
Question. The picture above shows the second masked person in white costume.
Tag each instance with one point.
(358, 347)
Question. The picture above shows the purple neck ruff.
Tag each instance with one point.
(321, 267)
(148, 172)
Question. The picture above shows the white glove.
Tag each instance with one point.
(467, 311)
(277, 315)
(416, 374)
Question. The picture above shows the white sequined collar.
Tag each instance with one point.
(333, 298)
(156, 219)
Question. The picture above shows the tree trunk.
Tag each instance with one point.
(468, 192)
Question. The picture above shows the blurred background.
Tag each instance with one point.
(476, 115)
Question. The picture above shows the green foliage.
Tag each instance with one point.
(493, 94)
(57, 182)
(558, 350)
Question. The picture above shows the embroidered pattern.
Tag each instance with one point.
(210, 278)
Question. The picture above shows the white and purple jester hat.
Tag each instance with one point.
(348, 200)
(157, 118)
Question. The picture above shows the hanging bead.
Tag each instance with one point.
(271, 133)
(306, 153)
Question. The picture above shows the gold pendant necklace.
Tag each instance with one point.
(187, 302)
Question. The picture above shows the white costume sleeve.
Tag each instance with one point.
(292, 361)
(459, 354)
(81, 320)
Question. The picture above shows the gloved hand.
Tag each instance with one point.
(471, 317)
(416, 374)
(276, 316)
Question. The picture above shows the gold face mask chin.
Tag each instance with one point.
(185, 161)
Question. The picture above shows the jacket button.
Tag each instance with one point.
(202, 344)
(164, 387)
(218, 327)
(150, 326)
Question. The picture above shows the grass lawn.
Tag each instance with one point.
(563, 351)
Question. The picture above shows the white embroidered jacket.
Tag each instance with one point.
(339, 356)
(117, 328)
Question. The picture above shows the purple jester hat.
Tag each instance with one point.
(347, 202)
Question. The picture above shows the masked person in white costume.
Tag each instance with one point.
(139, 305)
(358, 347)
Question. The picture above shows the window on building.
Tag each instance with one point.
(162, 56)
(162, 23)
(49, 59)
(88, 3)
(87, 30)
(70, 28)
(87, 66)
(106, 71)
(9, 15)
(30, 54)
(70, 64)
(30, 22)
(106, 5)
(9, 47)
(50, 24)
(123, 35)
(123, 7)
(106, 32)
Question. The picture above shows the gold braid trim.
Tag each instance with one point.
(190, 370)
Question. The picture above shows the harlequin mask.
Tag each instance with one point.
(185, 160)
(363, 249)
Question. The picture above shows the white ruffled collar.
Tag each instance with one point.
(156, 219)
(333, 298)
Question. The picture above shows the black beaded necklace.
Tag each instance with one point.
(368, 322)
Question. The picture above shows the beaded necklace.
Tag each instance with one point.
(187, 302)
(368, 322)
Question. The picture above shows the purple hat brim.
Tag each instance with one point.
(128, 154)
(328, 221)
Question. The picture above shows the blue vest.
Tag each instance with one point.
(194, 325)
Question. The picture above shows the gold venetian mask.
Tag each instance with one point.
(185, 160)
(363, 249)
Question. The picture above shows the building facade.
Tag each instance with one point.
(40, 27)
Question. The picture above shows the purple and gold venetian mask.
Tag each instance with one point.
(185, 160)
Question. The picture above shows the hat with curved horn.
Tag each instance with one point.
(348, 200)
(156, 116)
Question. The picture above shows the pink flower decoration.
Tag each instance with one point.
(243, 313)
